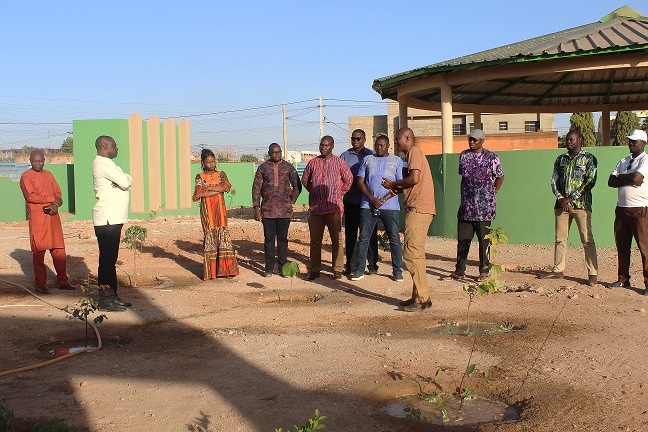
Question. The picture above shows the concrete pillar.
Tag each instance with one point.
(184, 159)
(605, 126)
(154, 162)
(476, 121)
(402, 115)
(136, 147)
(170, 164)
(446, 118)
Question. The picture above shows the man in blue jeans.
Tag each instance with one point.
(377, 203)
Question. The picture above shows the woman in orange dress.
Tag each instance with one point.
(219, 259)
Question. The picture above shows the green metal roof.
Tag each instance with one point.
(624, 30)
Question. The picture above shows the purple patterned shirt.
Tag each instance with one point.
(478, 173)
(275, 189)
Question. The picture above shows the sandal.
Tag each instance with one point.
(482, 277)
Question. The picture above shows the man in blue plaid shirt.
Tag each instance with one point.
(574, 176)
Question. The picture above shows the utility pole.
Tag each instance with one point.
(321, 117)
(285, 131)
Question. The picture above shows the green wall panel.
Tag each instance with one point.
(85, 134)
(240, 175)
(525, 201)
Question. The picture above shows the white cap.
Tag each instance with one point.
(638, 134)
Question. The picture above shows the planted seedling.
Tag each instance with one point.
(134, 238)
(6, 416)
(492, 285)
(311, 425)
(86, 307)
(290, 269)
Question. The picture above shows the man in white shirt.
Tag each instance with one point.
(109, 214)
(631, 214)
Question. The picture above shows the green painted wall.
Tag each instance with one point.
(240, 175)
(15, 209)
(525, 201)
(524, 204)
(85, 134)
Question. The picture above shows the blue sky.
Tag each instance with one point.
(70, 60)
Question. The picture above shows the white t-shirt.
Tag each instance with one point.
(633, 196)
(112, 205)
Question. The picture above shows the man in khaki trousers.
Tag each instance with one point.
(418, 199)
(573, 178)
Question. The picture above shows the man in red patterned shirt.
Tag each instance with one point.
(327, 178)
(275, 189)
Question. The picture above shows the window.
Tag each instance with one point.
(472, 126)
(458, 129)
(531, 126)
(503, 125)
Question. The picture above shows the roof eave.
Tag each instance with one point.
(387, 87)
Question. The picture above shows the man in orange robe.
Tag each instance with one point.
(43, 196)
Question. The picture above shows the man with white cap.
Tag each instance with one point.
(631, 214)
(481, 177)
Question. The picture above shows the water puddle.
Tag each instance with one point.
(474, 411)
(67, 346)
(292, 298)
(475, 328)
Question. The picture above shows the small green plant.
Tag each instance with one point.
(6, 416)
(56, 425)
(152, 214)
(134, 238)
(311, 425)
(492, 285)
(290, 269)
(232, 194)
(412, 413)
(87, 307)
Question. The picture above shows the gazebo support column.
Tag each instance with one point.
(476, 121)
(605, 126)
(446, 118)
(402, 115)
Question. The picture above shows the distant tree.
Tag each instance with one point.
(561, 141)
(622, 126)
(249, 158)
(584, 123)
(28, 149)
(222, 157)
(644, 124)
(68, 145)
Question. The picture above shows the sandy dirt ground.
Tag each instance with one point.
(254, 353)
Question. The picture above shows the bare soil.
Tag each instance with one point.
(254, 353)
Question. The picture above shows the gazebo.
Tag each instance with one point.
(601, 66)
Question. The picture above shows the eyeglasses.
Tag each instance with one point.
(471, 139)
(356, 138)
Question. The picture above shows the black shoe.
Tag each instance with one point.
(347, 272)
(372, 271)
(267, 273)
(312, 276)
(67, 286)
(619, 284)
(337, 275)
(407, 302)
(42, 290)
(415, 307)
(645, 292)
(110, 306)
(120, 302)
